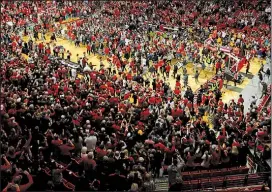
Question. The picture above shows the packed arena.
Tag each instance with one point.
(170, 95)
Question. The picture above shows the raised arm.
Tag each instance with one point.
(27, 185)
(6, 166)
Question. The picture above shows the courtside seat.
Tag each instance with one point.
(214, 173)
(217, 182)
(186, 185)
(206, 183)
(234, 170)
(195, 184)
(68, 186)
(47, 171)
(235, 181)
(186, 175)
(254, 179)
(244, 170)
(195, 174)
(230, 183)
(217, 172)
(222, 172)
(60, 164)
(206, 173)
(191, 185)
(240, 189)
(70, 176)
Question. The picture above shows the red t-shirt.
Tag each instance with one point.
(240, 100)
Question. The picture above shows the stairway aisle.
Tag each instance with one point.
(161, 184)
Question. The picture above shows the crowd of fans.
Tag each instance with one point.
(123, 124)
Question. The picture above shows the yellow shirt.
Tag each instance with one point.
(231, 43)
(131, 100)
(219, 40)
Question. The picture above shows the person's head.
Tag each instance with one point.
(50, 185)
(147, 177)
(11, 150)
(90, 155)
(175, 162)
(117, 154)
(13, 187)
(17, 179)
(134, 187)
(84, 150)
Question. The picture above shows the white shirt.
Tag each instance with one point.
(229, 9)
(62, 31)
(73, 72)
(268, 10)
(206, 160)
(127, 41)
(145, 69)
(91, 142)
(124, 82)
(143, 61)
(224, 34)
(87, 69)
(54, 79)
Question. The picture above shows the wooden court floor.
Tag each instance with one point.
(228, 93)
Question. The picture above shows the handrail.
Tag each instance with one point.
(265, 99)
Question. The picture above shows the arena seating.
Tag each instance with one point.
(229, 181)
(214, 173)
(233, 189)
(67, 128)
